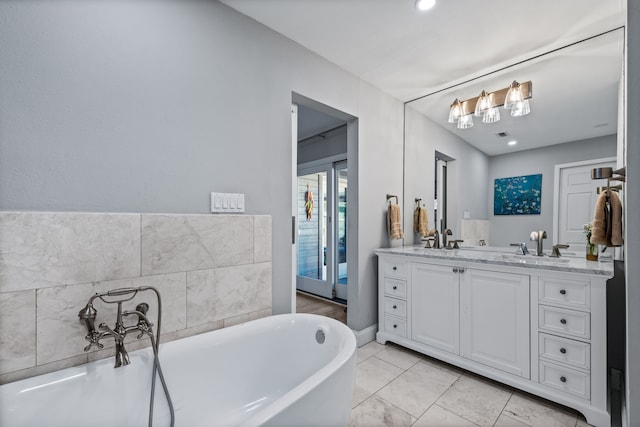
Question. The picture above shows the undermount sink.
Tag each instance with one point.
(532, 259)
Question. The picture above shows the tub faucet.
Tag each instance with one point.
(119, 332)
(537, 236)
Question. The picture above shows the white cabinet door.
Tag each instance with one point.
(435, 313)
(495, 320)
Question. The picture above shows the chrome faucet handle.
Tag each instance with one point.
(455, 244)
(555, 252)
(522, 248)
(428, 240)
(94, 340)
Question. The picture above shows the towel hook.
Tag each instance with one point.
(391, 196)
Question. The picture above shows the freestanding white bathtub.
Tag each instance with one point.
(275, 371)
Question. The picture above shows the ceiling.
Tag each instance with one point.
(409, 54)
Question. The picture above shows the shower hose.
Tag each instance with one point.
(155, 344)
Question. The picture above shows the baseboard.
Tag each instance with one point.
(365, 335)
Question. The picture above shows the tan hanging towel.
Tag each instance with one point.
(394, 225)
(616, 220)
(607, 220)
(600, 219)
(420, 222)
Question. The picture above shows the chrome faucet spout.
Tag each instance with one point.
(446, 232)
(537, 237)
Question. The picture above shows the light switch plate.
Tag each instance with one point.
(227, 203)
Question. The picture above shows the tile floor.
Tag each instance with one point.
(398, 387)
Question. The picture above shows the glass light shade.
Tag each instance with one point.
(483, 104)
(521, 108)
(465, 122)
(514, 95)
(455, 111)
(492, 115)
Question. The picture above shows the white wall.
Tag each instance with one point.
(632, 207)
(467, 175)
(507, 229)
(147, 106)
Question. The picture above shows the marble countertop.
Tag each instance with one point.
(572, 262)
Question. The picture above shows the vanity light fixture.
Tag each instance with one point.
(514, 98)
(423, 5)
(512, 142)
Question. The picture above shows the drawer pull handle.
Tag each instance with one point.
(395, 287)
(563, 292)
(395, 268)
(563, 321)
(395, 326)
(563, 350)
(395, 306)
(455, 269)
(563, 379)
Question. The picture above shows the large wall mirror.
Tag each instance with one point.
(574, 119)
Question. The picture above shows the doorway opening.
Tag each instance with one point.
(324, 198)
(440, 191)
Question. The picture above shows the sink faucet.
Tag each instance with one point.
(522, 248)
(119, 332)
(436, 239)
(446, 232)
(537, 236)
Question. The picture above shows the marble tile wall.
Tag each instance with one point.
(474, 230)
(212, 271)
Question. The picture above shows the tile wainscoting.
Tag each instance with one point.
(212, 271)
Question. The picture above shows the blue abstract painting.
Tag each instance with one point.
(518, 195)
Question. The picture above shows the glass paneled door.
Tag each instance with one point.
(322, 235)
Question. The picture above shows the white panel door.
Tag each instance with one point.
(577, 200)
(435, 319)
(494, 324)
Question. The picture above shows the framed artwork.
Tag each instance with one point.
(517, 195)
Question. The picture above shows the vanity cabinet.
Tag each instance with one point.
(494, 319)
(435, 312)
(540, 330)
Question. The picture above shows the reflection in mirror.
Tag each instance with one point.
(573, 118)
(440, 192)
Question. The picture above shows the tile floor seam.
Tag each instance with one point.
(505, 414)
(395, 406)
(456, 414)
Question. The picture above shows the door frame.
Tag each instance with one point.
(556, 188)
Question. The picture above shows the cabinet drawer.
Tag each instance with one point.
(395, 269)
(396, 288)
(395, 307)
(569, 322)
(396, 326)
(563, 350)
(566, 379)
(569, 293)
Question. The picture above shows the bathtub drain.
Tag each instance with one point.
(320, 336)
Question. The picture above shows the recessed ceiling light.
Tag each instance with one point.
(513, 142)
(423, 5)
